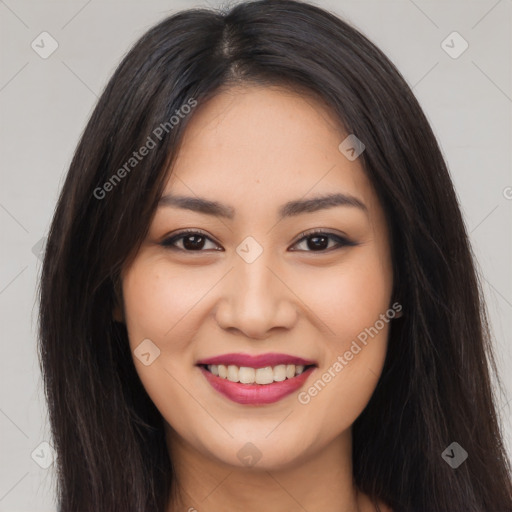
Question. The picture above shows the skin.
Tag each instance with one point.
(255, 148)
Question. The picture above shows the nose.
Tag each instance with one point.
(256, 299)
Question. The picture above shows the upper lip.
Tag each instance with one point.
(256, 361)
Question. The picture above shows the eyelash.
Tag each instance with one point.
(341, 241)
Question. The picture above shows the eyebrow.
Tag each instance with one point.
(289, 209)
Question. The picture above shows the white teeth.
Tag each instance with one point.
(233, 373)
(264, 375)
(223, 371)
(247, 375)
(280, 372)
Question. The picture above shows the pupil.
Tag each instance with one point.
(315, 239)
(315, 242)
(195, 244)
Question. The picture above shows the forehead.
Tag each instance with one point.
(258, 147)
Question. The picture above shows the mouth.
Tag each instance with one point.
(256, 380)
(262, 376)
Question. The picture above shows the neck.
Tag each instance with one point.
(319, 482)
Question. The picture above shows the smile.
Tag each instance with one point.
(247, 375)
(256, 380)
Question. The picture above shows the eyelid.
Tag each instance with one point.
(167, 240)
(322, 231)
(341, 239)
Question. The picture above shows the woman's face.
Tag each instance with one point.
(256, 289)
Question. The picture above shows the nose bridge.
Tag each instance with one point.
(255, 299)
(253, 280)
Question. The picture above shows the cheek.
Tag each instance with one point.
(339, 303)
(353, 304)
(159, 306)
(158, 300)
(350, 297)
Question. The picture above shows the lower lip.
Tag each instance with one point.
(256, 394)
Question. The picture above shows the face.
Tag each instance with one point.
(270, 281)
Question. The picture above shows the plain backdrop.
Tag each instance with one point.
(45, 103)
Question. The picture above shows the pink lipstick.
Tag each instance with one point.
(256, 380)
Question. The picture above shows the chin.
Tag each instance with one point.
(257, 453)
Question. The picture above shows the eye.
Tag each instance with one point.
(318, 241)
(193, 241)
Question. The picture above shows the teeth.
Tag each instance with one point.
(280, 372)
(233, 373)
(247, 375)
(264, 375)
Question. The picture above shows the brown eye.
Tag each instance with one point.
(318, 241)
(192, 241)
(196, 241)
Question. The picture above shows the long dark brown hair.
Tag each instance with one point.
(436, 385)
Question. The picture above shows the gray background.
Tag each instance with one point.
(45, 103)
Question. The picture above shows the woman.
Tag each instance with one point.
(258, 291)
